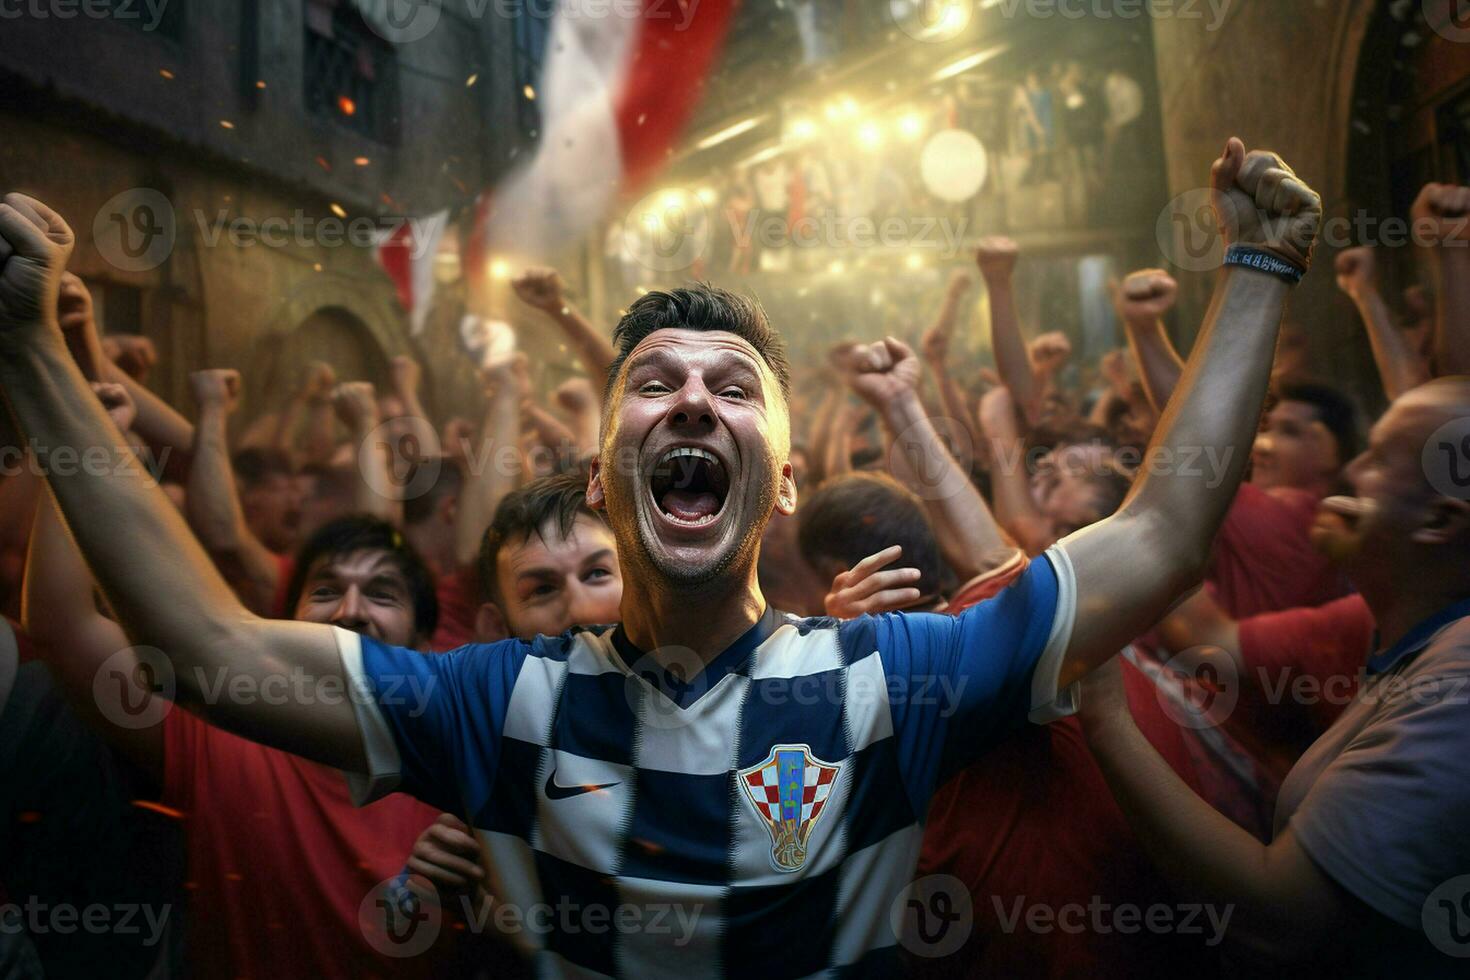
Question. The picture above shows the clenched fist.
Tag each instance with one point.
(541, 288)
(117, 403)
(1146, 296)
(133, 354)
(996, 256)
(217, 387)
(318, 381)
(1050, 352)
(34, 246)
(882, 372)
(1442, 214)
(1260, 202)
(357, 404)
(1357, 271)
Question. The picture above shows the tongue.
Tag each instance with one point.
(691, 505)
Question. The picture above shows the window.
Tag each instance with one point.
(349, 72)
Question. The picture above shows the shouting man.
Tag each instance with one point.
(709, 775)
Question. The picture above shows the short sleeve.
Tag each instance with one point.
(430, 723)
(1386, 818)
(956, 684)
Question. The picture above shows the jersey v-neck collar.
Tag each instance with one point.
(682, 691)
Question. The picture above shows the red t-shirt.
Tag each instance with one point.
(1033, 823)
(279, 860)
(1306, 664)
(1263, 558)
(458, 596)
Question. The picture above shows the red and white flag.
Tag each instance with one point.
(406, 253)
(616, 91)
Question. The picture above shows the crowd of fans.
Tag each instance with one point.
(166, 743)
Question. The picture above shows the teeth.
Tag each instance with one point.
(681, 453)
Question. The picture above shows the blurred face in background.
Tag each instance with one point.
(1294, 449)
(547, 583)
(272, 508)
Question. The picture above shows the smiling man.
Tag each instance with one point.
(759, 779)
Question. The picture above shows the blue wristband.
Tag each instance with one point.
(1263, 261)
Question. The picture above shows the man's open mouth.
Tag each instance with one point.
(689, 485)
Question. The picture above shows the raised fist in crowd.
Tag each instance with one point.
(1050, 352)
(879, 373)
(34, 247)
(357, 405)
(1260, 202)
(133, 354)
(540, 287)
(1441, 214)
(216, 387)
(405, 372)
(996, 256)
(117, 402)
(1357, 271)
(1146, 296)
(318, 382)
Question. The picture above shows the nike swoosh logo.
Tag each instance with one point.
(557, 792)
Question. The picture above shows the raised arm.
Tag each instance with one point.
(60, 612)
(495, 470)
(157, 578)
(212, 503)
(543, 289)
(997, 260)
(1132, 566)
(1142, 301)
(374, 489)
(1442, 219)
(935, 346)
(1400, 367)
(1010, 483)
(888, 379)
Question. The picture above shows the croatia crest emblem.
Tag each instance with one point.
(789, 790)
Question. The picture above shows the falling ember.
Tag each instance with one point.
(470, 82)
(226, 124)
(165, 73)
(362, 161)
(260, 84)
(28, 816)
(338, 210)
(324, 163)
(530, 93)
(167, 811)
(316, 267)
(346, 106)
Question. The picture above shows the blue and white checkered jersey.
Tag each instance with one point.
(759, 820)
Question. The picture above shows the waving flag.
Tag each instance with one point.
(615, 93)
(406, 253)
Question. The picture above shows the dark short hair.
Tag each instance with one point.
(254, 466)
(363, 532)
(699, 306)
(859, 514)
(1336, 410)
(447, 482)
(556, 499)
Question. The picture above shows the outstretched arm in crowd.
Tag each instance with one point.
(495, 470)
(936, 345)
(1010, 482)
(543, 289)
(372, 493)
(1443, 212)
(1142, 301)
(156, 576)
(997, 260)
(1399, 366)
(311, 401)
(60, 613)
(212, 502)
(1132, 566)
(887, 377)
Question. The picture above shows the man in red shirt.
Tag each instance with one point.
(283, 870)
(1006, 825)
